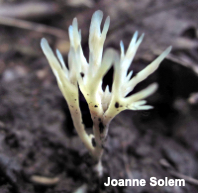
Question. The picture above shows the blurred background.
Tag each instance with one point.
(39, 148)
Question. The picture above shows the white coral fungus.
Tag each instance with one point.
(103, 104)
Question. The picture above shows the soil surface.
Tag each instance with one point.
(40, 151)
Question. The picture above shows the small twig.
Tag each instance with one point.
(176, 174)
(27, 10)
(186, 178)
(44, 180)
(32, 26)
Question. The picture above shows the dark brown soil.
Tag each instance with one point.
(37, 137)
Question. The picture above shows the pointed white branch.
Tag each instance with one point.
(103, 105)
